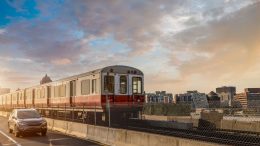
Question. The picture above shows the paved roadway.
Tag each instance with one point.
(52, 138)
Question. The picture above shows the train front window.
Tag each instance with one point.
(109, 84)
(137, 85)
(123, 84)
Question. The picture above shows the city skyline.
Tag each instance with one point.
(180, 45)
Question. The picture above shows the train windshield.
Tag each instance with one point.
(109, 84)
(137, 85)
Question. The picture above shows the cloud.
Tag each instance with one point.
(134, 22)
(2, 31)
(178, 43)
(63, 61)
(232, 44)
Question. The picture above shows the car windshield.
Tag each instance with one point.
(27, 114)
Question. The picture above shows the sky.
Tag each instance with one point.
(180, 45)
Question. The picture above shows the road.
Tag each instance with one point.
(52, 138)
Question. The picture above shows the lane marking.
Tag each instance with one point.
(57, 139)
(11, 139)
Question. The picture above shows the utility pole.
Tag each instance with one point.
(95, 114)
(107, 100)
(108, 107)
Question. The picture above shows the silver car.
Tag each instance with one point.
(26, 121)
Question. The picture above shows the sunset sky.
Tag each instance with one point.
(180, 45)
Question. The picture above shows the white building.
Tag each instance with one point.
(196, 99)
(159, 97)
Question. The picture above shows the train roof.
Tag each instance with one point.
(111, 69)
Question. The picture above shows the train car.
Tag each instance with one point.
(40, 98)
(8, 100)
(21, 100)
(60, 94)
(15, 99)
(29, 97)
(1, 101)
(4, 100)
(121, 85)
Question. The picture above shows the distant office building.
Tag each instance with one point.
(226, 95)
(4, 90)
(159, 97)
(250, 98)
(241, 99)
(213, 100)
(196, 99)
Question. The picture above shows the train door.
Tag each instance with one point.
(72, 91)
(33, 96)
(48, 95)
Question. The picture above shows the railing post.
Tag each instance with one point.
(95, 114)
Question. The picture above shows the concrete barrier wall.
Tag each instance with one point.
(78, 130)
(119, 137)
(60, 125)
(240, 125)
(4, 114)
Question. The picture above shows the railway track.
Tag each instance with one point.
(215, 136)
(219, 136)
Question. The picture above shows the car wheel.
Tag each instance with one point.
(16, 132)
(44, 133)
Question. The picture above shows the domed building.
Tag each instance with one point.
(45, 79)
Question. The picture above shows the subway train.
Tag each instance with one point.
(120, 87)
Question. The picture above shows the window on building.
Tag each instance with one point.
(85, 87)
(137, 85)
(109, 84)
(94, 86)
(123, 84)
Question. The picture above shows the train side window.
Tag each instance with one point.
(56, 91)
(123, 84)
(42, 93)
(62, 90)
(109, 84)
(137, 85)
(94, 86)
(85, 87)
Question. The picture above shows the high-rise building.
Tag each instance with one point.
(249, 98)
(226, 95)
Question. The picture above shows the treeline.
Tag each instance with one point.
(167, 109)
